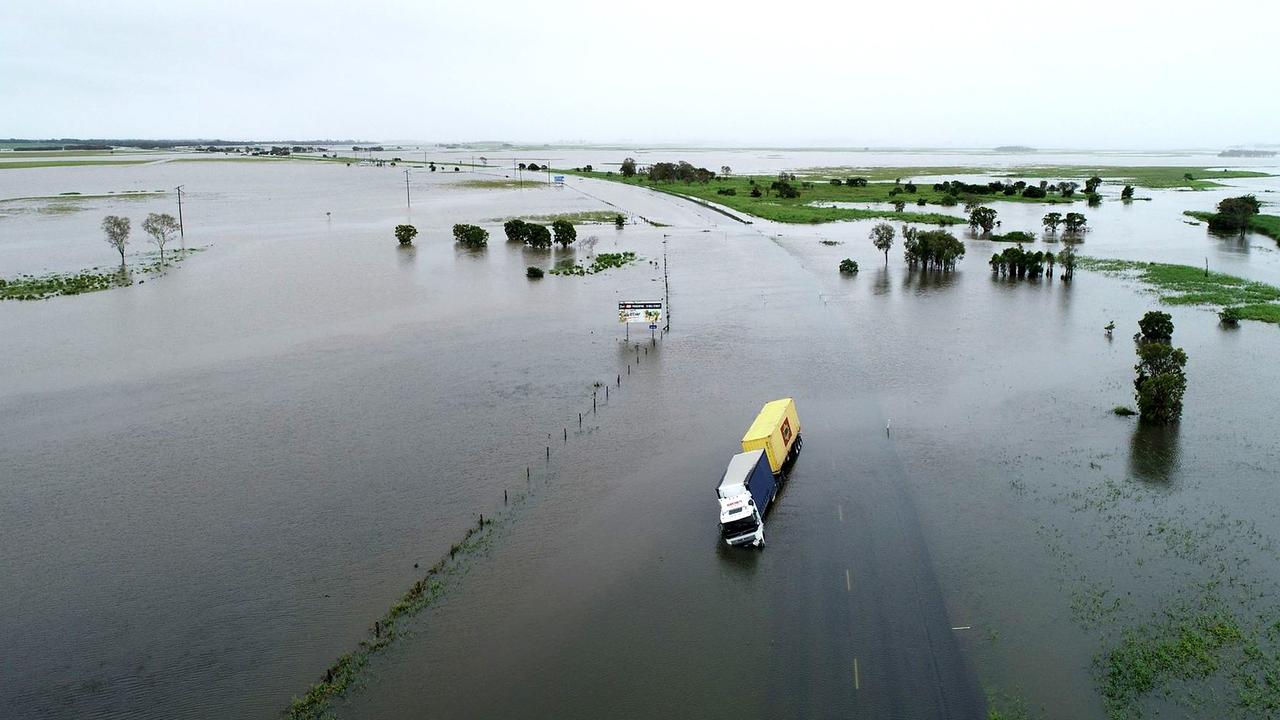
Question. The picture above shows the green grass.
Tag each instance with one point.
(602, 262)
(796, 210)
(43, 287)
(496, 184)
(1187, 285)
(27, 164)
(73, 196)
(1268, 225)
(1151, 656)
(577, 218)
(317, 702)
(1147, 177)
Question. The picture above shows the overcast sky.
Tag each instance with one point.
(1078, 73)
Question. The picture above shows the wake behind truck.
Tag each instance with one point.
(751, 481)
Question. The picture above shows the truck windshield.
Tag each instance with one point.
(741, 526)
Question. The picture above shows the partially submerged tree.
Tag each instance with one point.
(1074, 222)
(1234, 214)
(565, 232)
(882, 237)
(1067, 259)
(1052, 221)
(161, 227)
(538, 236)
(517, 230)
(1161, 381)
(471, 235)
(116, 229)
(982, 217)
(848, 266)
(1092, 184)
(628, 167)
(1155, 326)
(932, 249)
(1127, 193)
(619, 220)
(406, 233)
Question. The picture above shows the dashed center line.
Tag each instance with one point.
(848, 582)
(840, 508)
(857, 682)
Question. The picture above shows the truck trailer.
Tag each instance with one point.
(751, 481)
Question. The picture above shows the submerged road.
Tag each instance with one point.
(862, 627)
(615, 598)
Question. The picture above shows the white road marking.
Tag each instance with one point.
(848, 582)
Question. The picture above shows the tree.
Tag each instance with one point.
(116, 229)
(1092, 184)
(1234, 214)
(1127, 194)
(848, 266)
(1067, 258)
(161, 227)
(628, 167)
(533, 272)
(516, 230)
(1067, 189)
(1155, 327)
(725, 170)
(1160, 382)
(565, 232)
(1074, 222)
(1049, 260)
(539, 236)
(1052, 221)
(406, 233)
(910, 187)
(882, 238)
(931, 249)
(755, 191)
(982, 217)
(472, 236)
(619, 220)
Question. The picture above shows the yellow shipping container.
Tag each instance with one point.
(775, 430)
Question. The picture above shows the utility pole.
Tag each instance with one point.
(182, 232)
(407, 203)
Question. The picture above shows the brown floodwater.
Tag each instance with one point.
(214, 482)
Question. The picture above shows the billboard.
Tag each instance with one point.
(649, 312)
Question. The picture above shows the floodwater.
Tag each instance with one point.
(214, 482)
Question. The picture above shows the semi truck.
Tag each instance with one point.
(751, 481)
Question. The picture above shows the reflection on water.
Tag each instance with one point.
(406, 255)
(1154, 453)
(926, 282)
(881, 284)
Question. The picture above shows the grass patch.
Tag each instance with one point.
(27, 164)
(75, 196)
(495, 184)
(1151, 656)
(799, 210)
(43, 287)
(1261, 312)
(586, 217)
(602, 262)
(1147, 177)
(1187, 285)
(1268, 225)
(1123, 411)
(342, 675)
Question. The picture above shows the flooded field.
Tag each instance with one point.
(215, 482)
